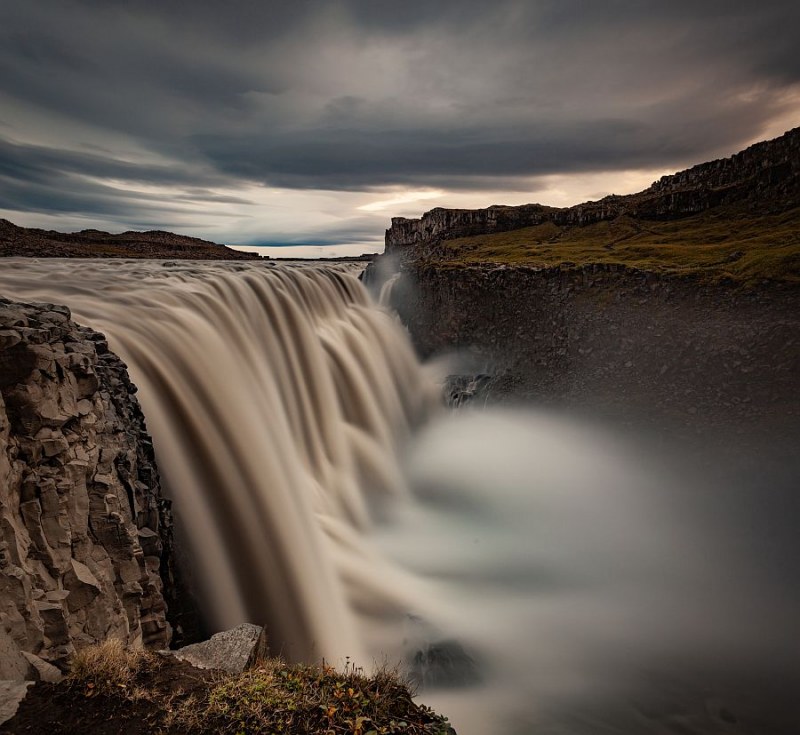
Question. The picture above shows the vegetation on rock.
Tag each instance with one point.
(715, 244)
(111, 689)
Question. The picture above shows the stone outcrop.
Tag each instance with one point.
(85, 536)
(763, 178)
(617, 340)
(233, 650)
(30, 242)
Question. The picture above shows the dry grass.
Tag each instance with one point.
(111, 668)
(274, 698)
(720, 243)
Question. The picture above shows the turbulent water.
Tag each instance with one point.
(534, 574)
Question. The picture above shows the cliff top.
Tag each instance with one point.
(737, 217)
(18, 241)
(713, 244)
(769, 165)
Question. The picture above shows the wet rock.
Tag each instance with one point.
(443, 664)
(461, 390)
(632, 345)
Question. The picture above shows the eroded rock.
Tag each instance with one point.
(84, 533)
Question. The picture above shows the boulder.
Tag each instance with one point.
(233, 650)
(11, 694)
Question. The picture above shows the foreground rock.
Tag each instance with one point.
(85, 536)
(12, 693)
(232, 650)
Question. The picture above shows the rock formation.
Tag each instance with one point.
(627, 343)
(85, 537)
(29, 242)
(671, 345)
(764, 178)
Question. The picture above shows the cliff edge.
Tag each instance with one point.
(678, 306)
(85, 536)
(763, 179)
(34, 243)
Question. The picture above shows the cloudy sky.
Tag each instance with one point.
(297, 122)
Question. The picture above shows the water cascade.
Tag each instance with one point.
(541, 574)
(276, 398)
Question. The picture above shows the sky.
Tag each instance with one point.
(311, 124)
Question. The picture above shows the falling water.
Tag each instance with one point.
(275, 397)
(533, 573)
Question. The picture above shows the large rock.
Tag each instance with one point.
(84, 531)
(232, 650)
(11, 694)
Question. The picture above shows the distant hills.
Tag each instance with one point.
(737, 217)
(30, 242)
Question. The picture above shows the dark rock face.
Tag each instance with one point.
(28, 242)
(618, 340)
(763, 178)
(85, 536)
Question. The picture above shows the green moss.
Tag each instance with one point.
(273, 698)
(276, 698)
(717, 244)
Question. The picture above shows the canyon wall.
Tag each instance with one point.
(85, 536)
(764, 178)
(615, 340)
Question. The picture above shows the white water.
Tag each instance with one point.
(593, 590)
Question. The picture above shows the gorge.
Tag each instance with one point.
(531, 571)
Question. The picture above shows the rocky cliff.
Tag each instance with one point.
(669, 350)
(764, 178)
(680, 303)
(85, 537)
(30, 242)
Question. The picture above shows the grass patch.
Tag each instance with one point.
(276, 698)
(273, 698)
(719, 243)
(110, 668)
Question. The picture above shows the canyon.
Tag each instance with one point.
(678, 306)
(324, 492)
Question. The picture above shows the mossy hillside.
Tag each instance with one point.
(272, 698)
(717, 244)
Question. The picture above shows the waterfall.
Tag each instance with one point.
(534, 572)
(277, 398)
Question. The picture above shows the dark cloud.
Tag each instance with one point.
(362, 94)
(39, 163)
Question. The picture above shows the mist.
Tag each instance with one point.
(586, 580)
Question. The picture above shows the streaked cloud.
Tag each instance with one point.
(261, 121)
